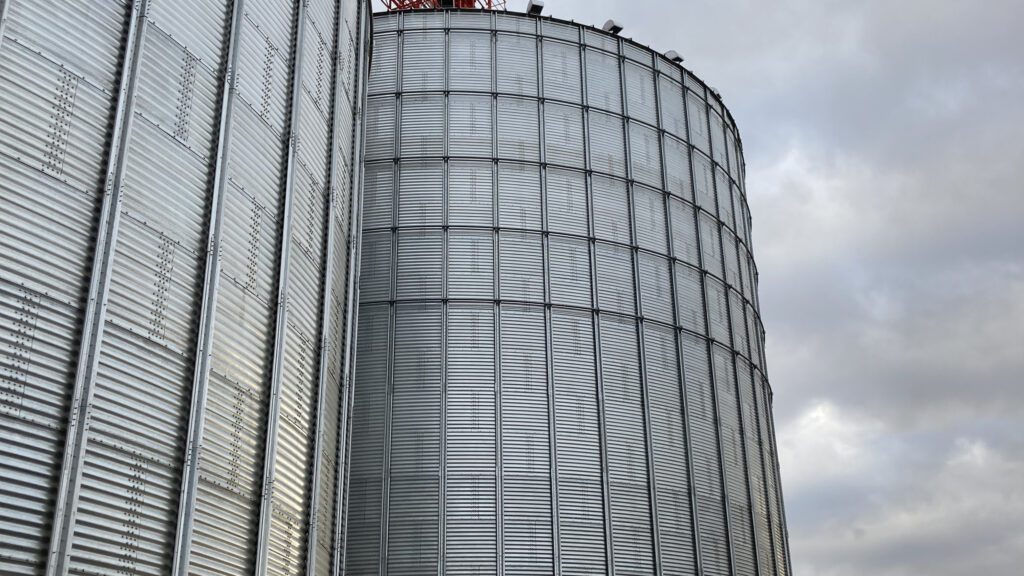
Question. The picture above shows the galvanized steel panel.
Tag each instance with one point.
(420, 186)
(684, 232)
(469, 455)
(516, 63)
(718, 149)
(651, 223)
(469, 125)
(423, 55)
(615, 289)
(45, 100)
(569, 270)
(563, 132)
(733, 452)
(384, 67)
(375, 278)
(143, 384)
(742, 216)
(231, 469)
(718, 312)
(607, 144)
(724, 195)
(567, 201)
(578, 443)
(58, 68)
(640, 101)
(414, 441)
(563, 78)
(256, 144)
(739, 323)
(519, 195)
(427, 19)
(378, 195)
(690, 298)
(631, 537)
(264, 67)
(468, 19)
(752, 336)
(731, 259)
(518, 137)
(380, 128)
(703, 183)
(677, 168)
(604, 85)
(713, 536)
(671, 452)
(520, 267)
(525, 454)
(755, 459)
(669, 68)
(369, 429)
(611, 206)
(422, 121)
(710, 244)
(602, 40)
(86, 40)
(470, 193)
(471, 265)
(563, 30)
(656, 287)
(734, 153)
(469, 60)
(697, 120)
(673, 114)
(419, 269)
(770, 472)
(637, 53)
(645, 153)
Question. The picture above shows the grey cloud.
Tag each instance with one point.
(885, 171)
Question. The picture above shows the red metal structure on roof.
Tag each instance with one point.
(413, 4)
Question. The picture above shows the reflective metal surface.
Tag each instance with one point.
(560, 361)
(176, 260)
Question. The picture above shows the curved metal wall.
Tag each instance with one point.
(176, 271)
(560, 364)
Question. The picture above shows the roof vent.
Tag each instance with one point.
(674, 56)
(612, 26)
(535, 7)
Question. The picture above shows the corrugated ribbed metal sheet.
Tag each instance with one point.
(543, 284)
(155, 158)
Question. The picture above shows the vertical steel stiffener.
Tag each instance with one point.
(163, 316)
(561, 365)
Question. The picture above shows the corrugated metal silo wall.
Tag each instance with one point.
(179, 226)
(560, 364)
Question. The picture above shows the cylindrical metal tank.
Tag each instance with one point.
(177, 250)
(560, 364)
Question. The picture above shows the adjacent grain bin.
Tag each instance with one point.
(177, 250)
(560, 363)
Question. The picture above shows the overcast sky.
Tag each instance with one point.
(884, 143)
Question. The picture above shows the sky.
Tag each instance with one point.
(884, 143)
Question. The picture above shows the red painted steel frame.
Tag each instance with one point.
(411, 4)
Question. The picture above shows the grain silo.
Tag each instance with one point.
(176, 266)
(560, 364)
